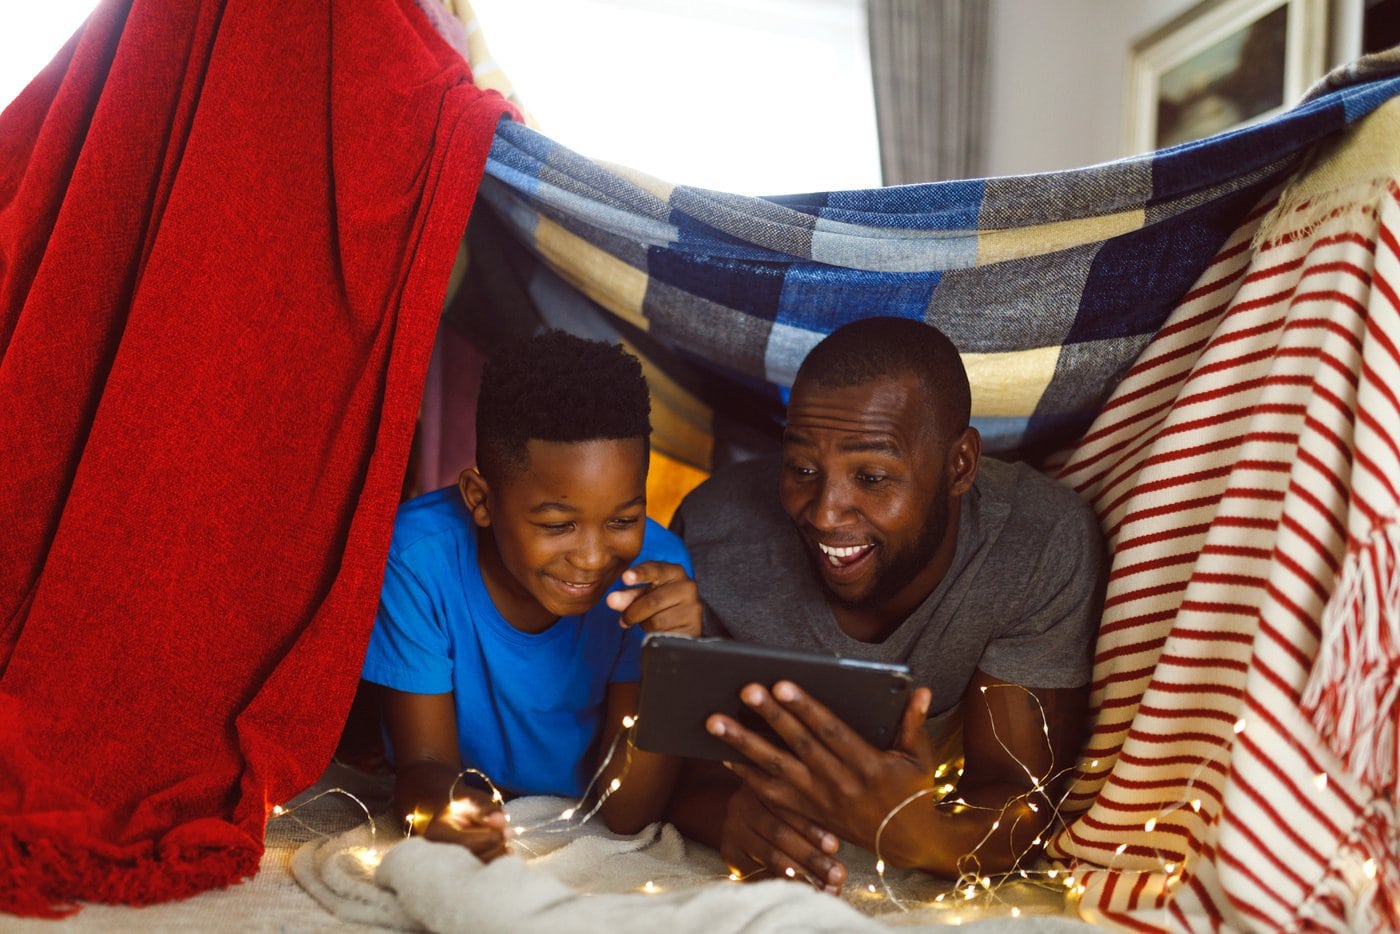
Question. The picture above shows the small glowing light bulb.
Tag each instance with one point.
(1036, 842)
(1121, 848)
(996, 824)
(1069, 883)
(1031, 805)
(790, 873)
(1369, 867)
(650, 887)
(615, 784)
(1151, 824)
(1023, 873)
(1320, 780)
(628, 721)
(1053, 873)
(986, 882)
(870, 888)
(1015, 912)
(733, 877)
(1170, 868)
(278, 810)
(462, 807)
(568, 813)
(940, 897)
(1239, 725)
(880, 866)
(1196, 805)
(1094, 764)
(970, 892)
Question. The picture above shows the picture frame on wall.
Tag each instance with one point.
(1222, 64)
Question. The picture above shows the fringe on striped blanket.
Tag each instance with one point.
(1241, 770)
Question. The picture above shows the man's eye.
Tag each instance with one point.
(870, 479)
(799, 470)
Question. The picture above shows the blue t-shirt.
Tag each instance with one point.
(529, 706)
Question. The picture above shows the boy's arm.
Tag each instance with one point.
(645, 778)
(423, 729)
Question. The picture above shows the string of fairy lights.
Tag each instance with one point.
(971, 882)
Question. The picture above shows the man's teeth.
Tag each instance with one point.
(834, 555)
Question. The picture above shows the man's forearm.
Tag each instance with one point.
(700, 801)
(998, 826)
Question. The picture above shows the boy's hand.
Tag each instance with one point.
(670, 601)
(474, 821)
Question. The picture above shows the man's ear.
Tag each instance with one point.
(476, 493)
(963, 460)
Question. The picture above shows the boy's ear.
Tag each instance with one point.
(475, 492)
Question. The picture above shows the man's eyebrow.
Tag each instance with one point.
(872, 445)
(882, 444)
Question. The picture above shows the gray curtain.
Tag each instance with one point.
(928, 59)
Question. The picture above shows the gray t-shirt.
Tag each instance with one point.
(1021, 600)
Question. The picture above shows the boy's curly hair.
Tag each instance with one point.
(554, 386)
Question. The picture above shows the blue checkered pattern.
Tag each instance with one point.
(1049, 285)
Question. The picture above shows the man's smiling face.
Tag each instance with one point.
(866, 481)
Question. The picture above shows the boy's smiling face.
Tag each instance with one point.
(559, 531)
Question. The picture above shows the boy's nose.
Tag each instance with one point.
(590, 555)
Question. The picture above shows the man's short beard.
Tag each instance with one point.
(901, 568)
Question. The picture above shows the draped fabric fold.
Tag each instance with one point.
(226, 229)
(1247, 464)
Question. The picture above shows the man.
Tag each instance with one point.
(883, 534)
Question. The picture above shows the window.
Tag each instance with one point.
(748, 96)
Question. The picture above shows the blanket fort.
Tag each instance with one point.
(1202, 339)
(226, 231)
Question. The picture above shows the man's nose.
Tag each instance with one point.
(832, 504)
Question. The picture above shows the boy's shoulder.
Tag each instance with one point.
(661, 544)
(432, 516)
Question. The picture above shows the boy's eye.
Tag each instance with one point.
(624, 522)
(556, 527)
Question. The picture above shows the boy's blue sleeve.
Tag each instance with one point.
(408, 649)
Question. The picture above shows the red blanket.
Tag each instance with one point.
(226, 229)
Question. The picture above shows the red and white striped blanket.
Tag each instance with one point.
(1241, 771)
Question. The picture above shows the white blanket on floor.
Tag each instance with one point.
(565, 877)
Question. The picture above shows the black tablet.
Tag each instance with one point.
(685, 680)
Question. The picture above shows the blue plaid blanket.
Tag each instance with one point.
(1049, 285)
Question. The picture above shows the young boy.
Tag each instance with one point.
(504, 639)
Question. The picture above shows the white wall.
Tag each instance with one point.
(1058, 73)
